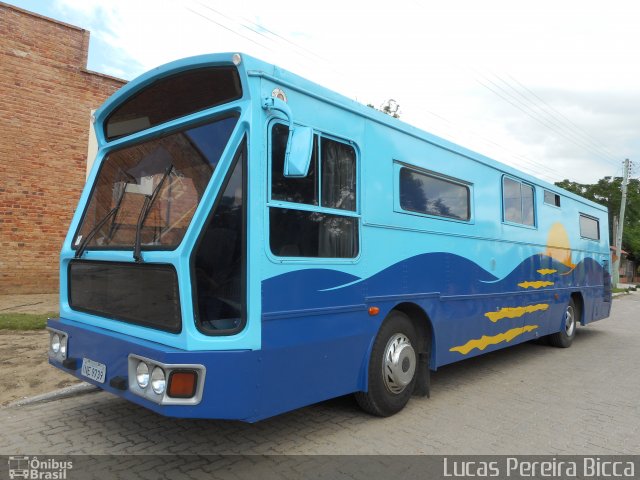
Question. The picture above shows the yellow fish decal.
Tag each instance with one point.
(515, 312)
(536, 285)
(485, 341)
(546, 271)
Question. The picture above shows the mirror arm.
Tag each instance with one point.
(302, 145)
(272, 103)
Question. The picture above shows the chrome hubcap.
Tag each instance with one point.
(399, 363)
(569, 321)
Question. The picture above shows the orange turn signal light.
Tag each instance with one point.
(182, 384)
(374, 311)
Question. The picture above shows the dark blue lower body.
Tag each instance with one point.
(239, 384)
(317, 333)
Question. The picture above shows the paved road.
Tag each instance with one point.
(529, 399)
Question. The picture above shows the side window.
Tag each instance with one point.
(551, 198)
(589, 227)
(330, 186)
(297, 190)
(338, 175)
(431, 195)
(518, 202)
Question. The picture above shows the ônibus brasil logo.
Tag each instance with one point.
(37, 469)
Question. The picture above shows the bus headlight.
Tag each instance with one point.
(142, 375)
(57, 344)
(158, 380)
(165, 383)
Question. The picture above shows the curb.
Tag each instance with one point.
(72, 391)
(620, 294)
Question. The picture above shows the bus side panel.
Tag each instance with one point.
(317, 333)
(313, 357)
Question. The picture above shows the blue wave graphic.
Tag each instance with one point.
(443, 273)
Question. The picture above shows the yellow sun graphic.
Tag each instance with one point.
(558, 246)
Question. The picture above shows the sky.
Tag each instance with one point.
(548, 86)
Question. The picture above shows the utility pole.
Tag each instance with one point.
(618, 245)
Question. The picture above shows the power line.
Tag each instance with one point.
(259, 29)
(256, 29)
(531, 165)
(225, 27)
(558, 118)
(532, 114)
(567, 119)
(552, 125)
(263, 33)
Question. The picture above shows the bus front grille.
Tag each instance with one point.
(138, 293)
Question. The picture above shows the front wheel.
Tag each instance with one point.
(392, 367)
(567, 333)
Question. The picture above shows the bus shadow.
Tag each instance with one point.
(508, 359)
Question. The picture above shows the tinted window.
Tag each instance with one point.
(431, 195)
(174, 97)
(297, 233)
(511, 201)
(551, 198)
(219, 260)
(338, 175)
(527, 204)
(589, 227)
(287, 189)
(518, 202)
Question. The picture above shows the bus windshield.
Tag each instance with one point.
(151, 190)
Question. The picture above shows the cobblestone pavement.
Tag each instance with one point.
(528, 399)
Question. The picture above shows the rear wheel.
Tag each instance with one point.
(567, 333)
(392, 367)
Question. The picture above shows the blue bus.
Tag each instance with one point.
(249, 242)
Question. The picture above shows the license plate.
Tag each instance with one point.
(94, 370)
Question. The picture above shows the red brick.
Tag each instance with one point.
(47, 97)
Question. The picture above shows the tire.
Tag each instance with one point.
(567, 333)
(393, 367)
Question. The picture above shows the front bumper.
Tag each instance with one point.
(229, 389)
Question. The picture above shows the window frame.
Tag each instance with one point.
(534, 226)
(589, 217)
(242, 146)
(398, 166)
(283, 204)
(556, 196)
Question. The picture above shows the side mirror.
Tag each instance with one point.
(297, 156)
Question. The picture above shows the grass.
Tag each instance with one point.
(24, 321)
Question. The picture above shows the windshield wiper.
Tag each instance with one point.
(99, 225)
(146, 207)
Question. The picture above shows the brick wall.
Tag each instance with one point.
(46, 96)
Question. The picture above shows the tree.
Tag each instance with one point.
(390, 107)
(608, 192)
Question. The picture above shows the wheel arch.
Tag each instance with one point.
(578, 301)
(423, 325)
(424, 328)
